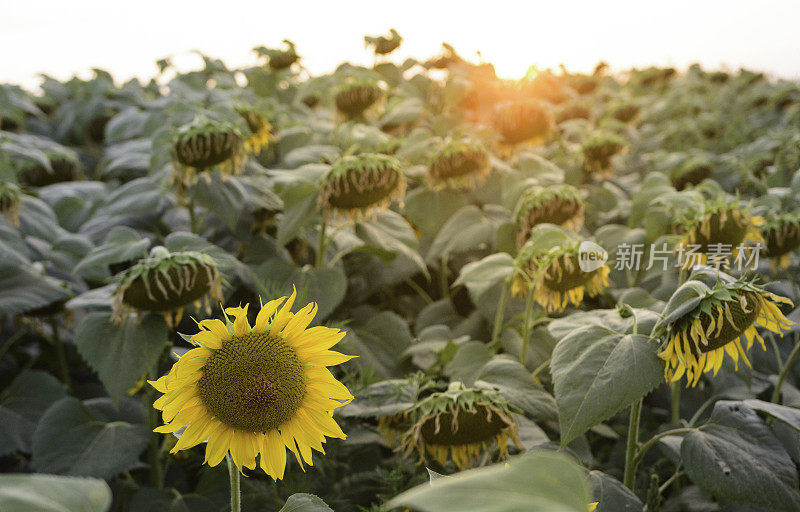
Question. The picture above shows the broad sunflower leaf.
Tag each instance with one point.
(480, 276)
(22, 290)
(121, 354)
(611, 495)
(121, 244)
(469, 228)
(21, 405)
(302, 502)
(736, 457)
(70, 441)
(50, 493)
(788, 415)
(533, 482)
(597, 373)
(148, 499)
(379, 341)
(515, 383)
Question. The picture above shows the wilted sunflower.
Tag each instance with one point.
(702, 323)
(279, 59)
(167, 282)
(555, 275)
(691, 172)
(204, 145)
(256, 391)
(597, 152)
(625, 112)
(384, 45)
(572, 111)
(260, 129)
(460, 423)
(10, 202)
(356, 96)
(561, 205)
(64, 166)
(459, 162)
(523, 120)
(782, 235)
(719, 223)
(357, 186)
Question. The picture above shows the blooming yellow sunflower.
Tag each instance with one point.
(720, 223)
(256, 391)
(459, 163)
(357, 186)
(702, 323)
(461, 423)
(782, 235)
(561, 205)
(550, 269)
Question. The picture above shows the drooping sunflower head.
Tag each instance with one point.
(523, 121)
(167, 282)
(691, 172)
(279, 58)
(598, 150)
(357, 186)
(256, 391)
(549, 267)
(573, 110)
(561, 205)
(782, 235)
(357, 95)
(259, 126)
(704, 320)
(625, 111)
(459, 163)
(10, 202)
(64, 166)
(720, 222)
(460, 424)
(206, 145)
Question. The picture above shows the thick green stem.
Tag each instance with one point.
(236, 495)
(444, 286)
(776, 393)
(633, 441)
(526, 329)
(321, 245)
(675, 403)
(653, 440)
(62, 356)
(499, 314)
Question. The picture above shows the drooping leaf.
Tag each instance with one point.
(50, 493)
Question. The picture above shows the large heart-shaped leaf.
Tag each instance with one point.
(514, 382)
(21, 405)
(533, 482)
(302, 502)
(597, 373)
(736, 457)
(50, 493)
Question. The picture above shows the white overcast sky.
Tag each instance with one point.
(62, 38)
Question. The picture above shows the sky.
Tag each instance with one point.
(126, 38)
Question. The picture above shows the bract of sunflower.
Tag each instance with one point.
(356, 95)
(459, 163)
(529, 121)
(260, 129)
(461, 424)
(720, 223)
(359, 185)
(167, 282)
(561, 205)
(782, 236)
(256, 391)
(10, 202)
(598, 150)
(707, 318)
(203, 146)
(548, 266)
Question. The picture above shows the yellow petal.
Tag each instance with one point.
(216, 326)
(283, 315)
(218, 445)
(240, 326)
(267, 310)
(208, 339)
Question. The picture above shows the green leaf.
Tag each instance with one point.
(121, 354)
(467, 362)
(379, 342)
(429, 209)
(22, 291)
(121, 244)
(533, 482)
(169, 500)
(389, 231)
(302, 502)
(738, 458)
(787, 415)
(515, 383)
(21, 405)
(325, 286)
(49, 493)
(611, 495)
(597, 373)
(70, 441)
(470, 228)
(480, 276)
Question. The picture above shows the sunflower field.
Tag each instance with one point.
(408, 286)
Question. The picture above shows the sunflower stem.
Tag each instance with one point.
(675, 403)
(443, 284)
(236, 495)
(497, 330)
(653, 440)
(633, 441)
(62, 356)
(526, 330)
(321, 245)
(787, 366)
